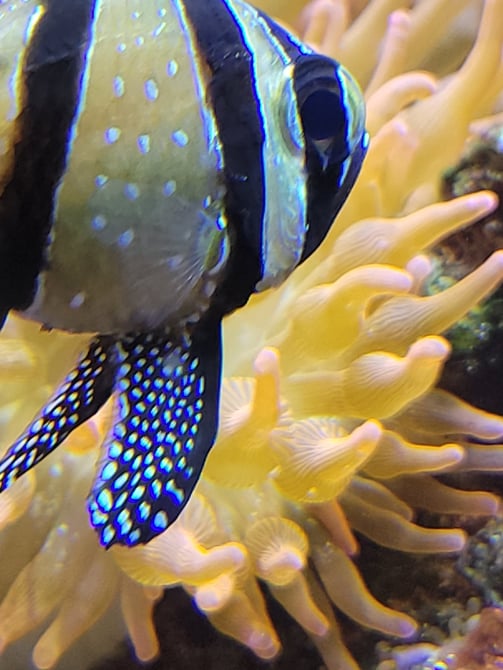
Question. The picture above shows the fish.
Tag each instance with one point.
(160, 162)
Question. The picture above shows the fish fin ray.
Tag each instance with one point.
(85, 389)
(166, 420)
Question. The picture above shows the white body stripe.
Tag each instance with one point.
(85, 77)
(285, 189)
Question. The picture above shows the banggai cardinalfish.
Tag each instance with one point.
(161, 160)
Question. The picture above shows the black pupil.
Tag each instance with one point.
(322, 115)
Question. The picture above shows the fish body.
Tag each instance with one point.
(161, 161)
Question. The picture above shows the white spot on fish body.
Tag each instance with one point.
(77, 300)
(131, 191)
(169, 188)
(143, 143)
(151, 90)
(171, 68)
(112, 135)
(99, 222)
(119, 87)
(101, 180)
(126, 238)
(180, 138)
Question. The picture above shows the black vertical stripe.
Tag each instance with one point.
(52, 72)
(234, 99)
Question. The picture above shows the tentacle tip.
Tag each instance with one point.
(490, 505)
(372, 430)
(429, 81)
(496, 259)
(264, 645)
(267, 361)
(238, 555)
(208, 601)
(419, 267)
(431, 347)
(485, 200)
(400, 20)
(149, 654)
(456, 541)
(320, 627)
(454, 453)
(407, 628)
(44, 658)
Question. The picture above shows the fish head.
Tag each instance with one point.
(314, 161)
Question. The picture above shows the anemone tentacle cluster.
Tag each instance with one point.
(330, 420)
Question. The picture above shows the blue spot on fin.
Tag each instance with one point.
(166, 414)
(81, 395)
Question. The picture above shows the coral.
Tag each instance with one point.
(330, 420)
(475, 365)
(481, 561)
(479, 649)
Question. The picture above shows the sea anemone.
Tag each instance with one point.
(330, 420)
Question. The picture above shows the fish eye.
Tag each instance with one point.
(324, 122)
(322, 115)
(330, 108)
